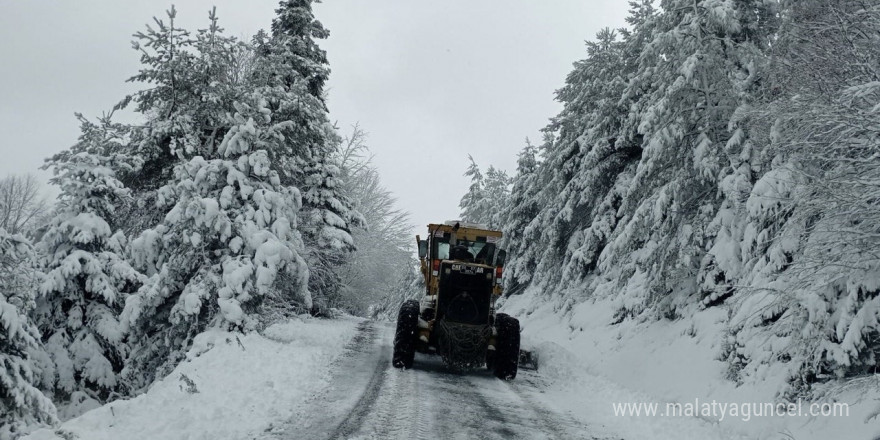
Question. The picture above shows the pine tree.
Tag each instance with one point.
(295, 30)
(227, 241)
(192, 81)
(721, 154)
(87, 277)
(22, 405)
(472, 203)
(496, 197)
(587, 152)
(486, 201)
(812, 213)
(523, 207)
(295, 69)
(223, 247)
(688, 84)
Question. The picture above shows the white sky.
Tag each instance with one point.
(431, 82)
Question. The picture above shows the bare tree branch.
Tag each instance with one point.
(20, 203)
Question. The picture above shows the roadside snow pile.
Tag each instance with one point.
(594, 365)
(231, 386)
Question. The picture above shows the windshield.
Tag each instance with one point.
(480, 251)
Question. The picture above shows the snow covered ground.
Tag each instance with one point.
(233, 386)
(249, 386)
(591, 366)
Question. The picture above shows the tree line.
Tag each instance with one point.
(714, 153)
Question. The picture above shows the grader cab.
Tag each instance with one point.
(456, 318)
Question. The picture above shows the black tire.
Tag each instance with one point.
(406, 335)
(506, 346)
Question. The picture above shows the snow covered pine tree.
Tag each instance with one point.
(487, 198)
(21, 403)
(521, 209)
(229, 233)
(87, 276)
(295, 69)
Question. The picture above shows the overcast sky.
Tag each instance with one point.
(431, 82)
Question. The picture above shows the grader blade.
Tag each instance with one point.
(528, 360)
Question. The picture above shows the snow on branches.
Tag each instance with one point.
(87, 275)
(22, 404)
(719, 154)
(229, 232)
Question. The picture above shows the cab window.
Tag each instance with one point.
(441, 250)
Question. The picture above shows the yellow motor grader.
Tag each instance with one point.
(456, 318)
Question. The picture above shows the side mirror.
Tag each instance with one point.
(423, 249)
(500, 257)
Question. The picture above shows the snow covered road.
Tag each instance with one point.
(368, 399)
(331, 379)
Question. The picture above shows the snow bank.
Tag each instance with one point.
(593, 365)
(232, 386)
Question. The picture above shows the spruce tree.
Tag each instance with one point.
(226, 243)
(496, 195)
(295, 30)
(689, 82)
(22, 405)
(87, 275)
(812, 214)
(588, 158)
(487, 198)
(472, 203)
(522, 209)
(293, 69)
(228, 239)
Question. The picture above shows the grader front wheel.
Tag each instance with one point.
(507, 346)
(406, 334)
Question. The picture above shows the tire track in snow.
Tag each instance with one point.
(390, 406)
(433, 402)
(369, 399)
(522, 418)
(397, 411)
(422, 430)
(361, 409)
(456, 409)
(396, 414)
(346, 398)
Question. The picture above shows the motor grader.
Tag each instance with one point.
(456, 318)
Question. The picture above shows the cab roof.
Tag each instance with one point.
(463, 230)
